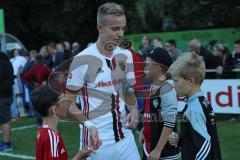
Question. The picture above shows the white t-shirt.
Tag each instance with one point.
(101, 81)
(18, 62)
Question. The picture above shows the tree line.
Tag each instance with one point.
(37, 22)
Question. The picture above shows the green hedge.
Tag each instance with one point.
(1, 21)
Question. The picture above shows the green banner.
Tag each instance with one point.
(225, 36)
(1, 21)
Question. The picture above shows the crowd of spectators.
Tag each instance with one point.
(32, 69)
(219, 60)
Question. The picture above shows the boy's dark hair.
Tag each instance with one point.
(172, 42)
(39, 59)
(237, 41)
(43, 98)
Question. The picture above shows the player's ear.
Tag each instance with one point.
(192, 80)
(99, 28)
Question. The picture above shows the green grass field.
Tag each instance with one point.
(23, 140)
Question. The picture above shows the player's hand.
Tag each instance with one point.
(132, 119)
(141, 137)
(173, 139)
(86, 152)
(154, 155)
(94, 138)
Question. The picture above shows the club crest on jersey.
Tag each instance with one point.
(100, 70)
(62, 150)
(122, 65)
(206, 103)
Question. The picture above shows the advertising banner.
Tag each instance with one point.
(224, 95)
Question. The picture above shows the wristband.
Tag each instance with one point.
(88, 124)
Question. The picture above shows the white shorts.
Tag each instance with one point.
(125, 149)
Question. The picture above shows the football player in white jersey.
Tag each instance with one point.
(103, 75)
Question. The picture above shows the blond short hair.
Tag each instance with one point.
(189, 65)
(110, 9)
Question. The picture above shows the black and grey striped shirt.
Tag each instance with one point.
(199, 138)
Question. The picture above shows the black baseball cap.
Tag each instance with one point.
(161, 56)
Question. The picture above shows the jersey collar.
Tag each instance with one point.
(194, 96)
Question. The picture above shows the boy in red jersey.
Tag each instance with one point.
(49, 143)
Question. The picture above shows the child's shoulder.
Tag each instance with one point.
(46, 132)
(166, 88)
(195, 106)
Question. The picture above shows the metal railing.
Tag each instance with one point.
(214, 70)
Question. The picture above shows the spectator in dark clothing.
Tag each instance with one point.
(67, 49)
(157, 42)
(57, 54)
(225, 61)
(172, 49)
(75, 49)
(59, 57)
(47, 57)
(6, 95)
(196, 47)
(211, 61)
(236, 57)
(30, 61)
(145, 42)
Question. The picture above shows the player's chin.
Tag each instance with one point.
(61, 116)
(179, 94)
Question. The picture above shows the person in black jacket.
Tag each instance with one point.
(225, 61)
(6, 94)
(211, 62)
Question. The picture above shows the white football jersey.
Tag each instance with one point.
(100, 81)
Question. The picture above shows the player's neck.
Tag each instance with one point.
(51, 122)
(194, 90)
(100, 46)
(158, 80)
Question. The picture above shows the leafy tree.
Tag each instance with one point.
(36, 23)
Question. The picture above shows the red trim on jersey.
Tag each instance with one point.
(84, 112)
(138, 65)
(120, 132)
(87, 112)
(147, 119)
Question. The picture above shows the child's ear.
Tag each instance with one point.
(99, 28)
(192, 80)
(159, 67)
